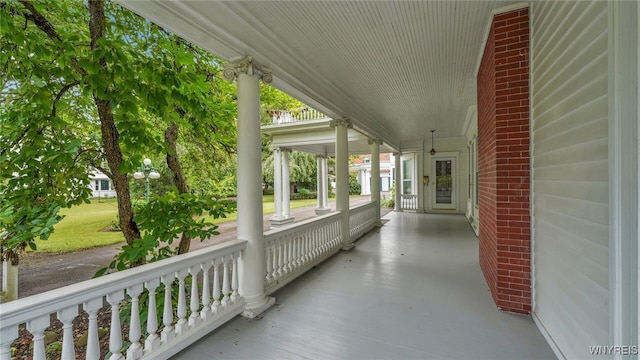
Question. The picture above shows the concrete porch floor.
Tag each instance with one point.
(409, 290)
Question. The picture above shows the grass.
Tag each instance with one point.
(83, 225)
(82, 228)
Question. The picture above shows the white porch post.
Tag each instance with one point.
(252, 262)
(277, 184)
(322, 190)
(286, 187)
(375, 175)
(398, 186)
(281, 193)
(342, 178)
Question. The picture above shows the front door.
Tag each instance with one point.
(443, 191)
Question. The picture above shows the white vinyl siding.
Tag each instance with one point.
(569, 102)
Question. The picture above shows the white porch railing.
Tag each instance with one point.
(362, 218)
(212, 270)
(284, 116)
(291, 251)
(408, 202)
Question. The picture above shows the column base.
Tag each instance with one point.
(347, 247)
(322, 211)
(252, 312)
(278, 222)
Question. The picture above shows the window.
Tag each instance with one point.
(104, 185)
(407, 175)
(96, 184)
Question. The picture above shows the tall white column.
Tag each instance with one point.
(281, 189)
(342, 178)
(375, 175)
(398, 186)
(321, 190)
(252, 262)
(277, 184)
(286, 186)
(325, 181)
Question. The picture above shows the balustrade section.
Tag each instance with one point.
(179, 300)
(362, 218)
(291, 251)
(409, 202)
(285, 116)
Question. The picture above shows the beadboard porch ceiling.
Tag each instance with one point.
(395, 69)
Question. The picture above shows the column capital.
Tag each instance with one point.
(280, 148)
(397, 153)
(249, 67)
(341, 122)
(372, 141)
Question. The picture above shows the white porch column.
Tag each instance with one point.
(322, 190)
(375, 175)
(342, 178)
(252, 264)
(277, 184)
(398, 186)
(281, 193)
(286, 186)
(362, 178)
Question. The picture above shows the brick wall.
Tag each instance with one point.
(503, 162)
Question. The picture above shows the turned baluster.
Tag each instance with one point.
(181, 325)
(206, 292)
(115, 337)
(66, 316)
(194, 304)
(269, 263)
(37, 327)
(234, 278)
(274, 258)
(91, 307)
(152, 341)
(7, 335)
(226, 287)
(216, 287)
(135, 349)
(168, 332)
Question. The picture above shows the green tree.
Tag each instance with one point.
(87, 82)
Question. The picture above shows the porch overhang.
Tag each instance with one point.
(318, 138)
(396, 70)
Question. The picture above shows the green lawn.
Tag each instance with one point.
(83, 225)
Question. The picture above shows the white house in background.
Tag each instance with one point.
(101, 185)
(362, 165)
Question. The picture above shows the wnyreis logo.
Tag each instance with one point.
(613, 350)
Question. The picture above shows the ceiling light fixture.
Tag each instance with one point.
(433, 151)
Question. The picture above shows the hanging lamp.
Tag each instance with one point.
(433, 151)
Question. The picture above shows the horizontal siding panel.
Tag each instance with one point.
(596, 109)
(593, 192)
(589, 90)
(593, 61)
(587, 22)
(579, 171)
(581, 134)
(566, 213)
(597, 149)
(570, 189)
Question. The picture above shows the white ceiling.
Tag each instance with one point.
(395, 69)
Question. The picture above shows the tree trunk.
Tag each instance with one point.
(110, 134)
(171, 138)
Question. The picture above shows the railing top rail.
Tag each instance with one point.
(17, 312)
(280, 232)
(370, 203)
